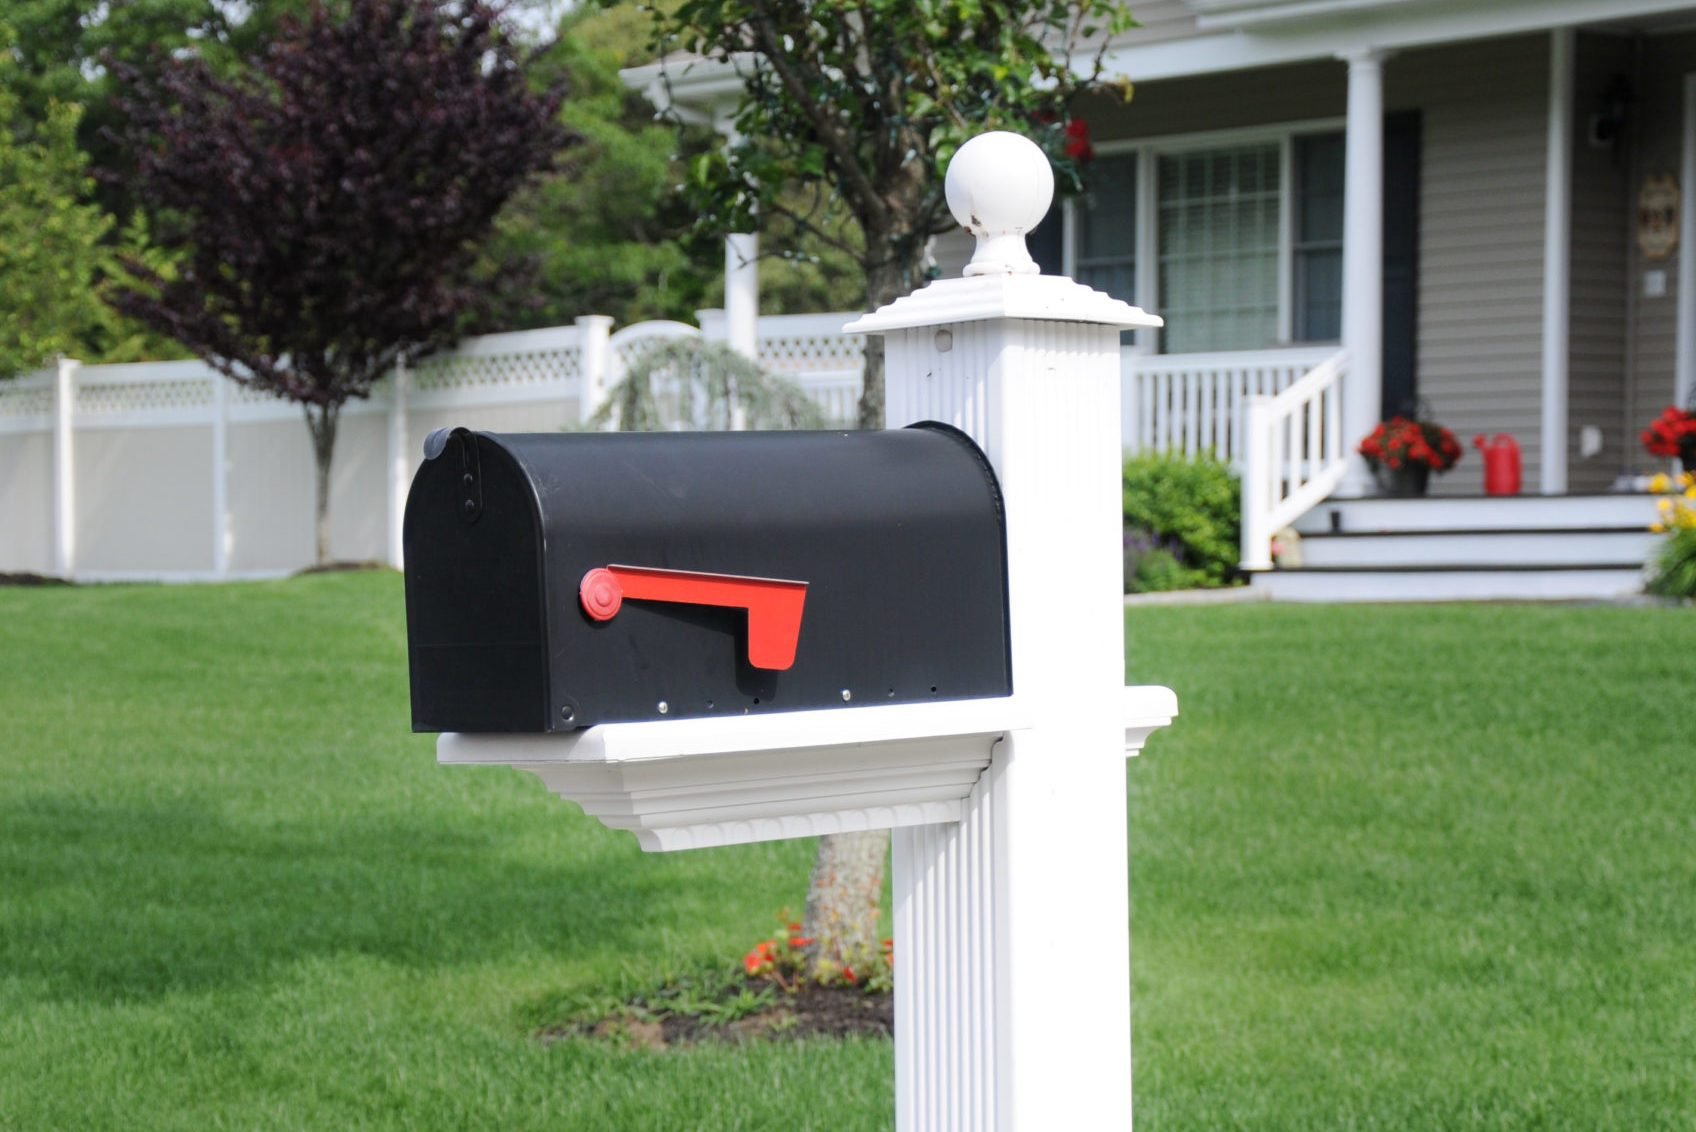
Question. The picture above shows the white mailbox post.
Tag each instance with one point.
(1010, 813)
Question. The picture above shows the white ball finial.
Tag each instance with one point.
(999, 187)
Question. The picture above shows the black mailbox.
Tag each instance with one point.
(555, 581)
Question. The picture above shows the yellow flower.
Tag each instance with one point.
(1664, 506)
(1661, 482)
(1687, 479)
(1658, 528)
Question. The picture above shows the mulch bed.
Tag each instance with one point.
(809, 1011)
(342, 568)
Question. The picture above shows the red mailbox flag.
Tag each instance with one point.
(773, 605)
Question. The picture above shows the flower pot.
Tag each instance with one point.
(1406, 482)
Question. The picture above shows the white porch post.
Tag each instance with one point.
(400, 463)
(983, 1042)
(64, 468)
(1363, 259)
(1557, 262)
(594, 335)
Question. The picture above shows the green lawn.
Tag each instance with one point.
(1393, 868)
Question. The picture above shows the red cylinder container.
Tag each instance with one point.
(1501, 464)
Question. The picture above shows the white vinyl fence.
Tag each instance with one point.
(167, 471)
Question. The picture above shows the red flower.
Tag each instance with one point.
(1078, 146)
(1669, 433)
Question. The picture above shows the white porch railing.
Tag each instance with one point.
(1193, 403)
(1293, 455)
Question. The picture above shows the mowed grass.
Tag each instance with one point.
(1416, 868)
(1419, 868)
(236, 892)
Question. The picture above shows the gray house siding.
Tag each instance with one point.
(1659, 114)
(1483, 113)
(1596, 366)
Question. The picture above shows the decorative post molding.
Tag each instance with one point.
(1028, 366)
(400, 461)
(1557, 263)
(1363, 258)
(64, 468)
(220, 475)
(594, 333)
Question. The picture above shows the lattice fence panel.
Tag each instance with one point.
(812, 353)
(158, 395)
(489, 371)
(25, 400)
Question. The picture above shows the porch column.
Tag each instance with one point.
(1557, 263)
(1363, 258)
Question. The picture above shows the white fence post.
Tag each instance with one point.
(400, 461)
(983, 1041)
(594, 331)
(220, 475)
(64, 468)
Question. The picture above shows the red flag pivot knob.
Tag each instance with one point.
(601, 593)
(773, 604)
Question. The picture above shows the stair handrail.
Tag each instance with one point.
(1293, 455)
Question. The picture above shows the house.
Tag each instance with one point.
(1471, 206)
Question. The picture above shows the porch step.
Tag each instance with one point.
(1555, 546)
(1470, 548)
(1480, 512)
(1453, 583)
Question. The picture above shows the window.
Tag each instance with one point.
(1218, 240)
(1107, 228)
(1237, 267)
(1318, 258)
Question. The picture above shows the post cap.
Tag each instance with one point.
(999, 187)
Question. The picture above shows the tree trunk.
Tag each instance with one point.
(886, 281)
(844, 897)
(321, 423)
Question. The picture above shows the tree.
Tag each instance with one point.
(49, 239)
(851, 108)
(855, 107)
(329, 197)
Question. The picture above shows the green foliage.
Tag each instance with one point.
(1193, 507)
(1675, 565)
(605, 235)
(49, 238)
(851, 111)
(694, 384)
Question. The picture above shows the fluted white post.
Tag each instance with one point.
(1029, 367)
(1363, 259)
(594, 336)
(64, 468)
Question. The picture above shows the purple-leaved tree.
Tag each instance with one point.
(330, 196)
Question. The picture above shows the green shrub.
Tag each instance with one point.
(1188, 508)
(1675, 565)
